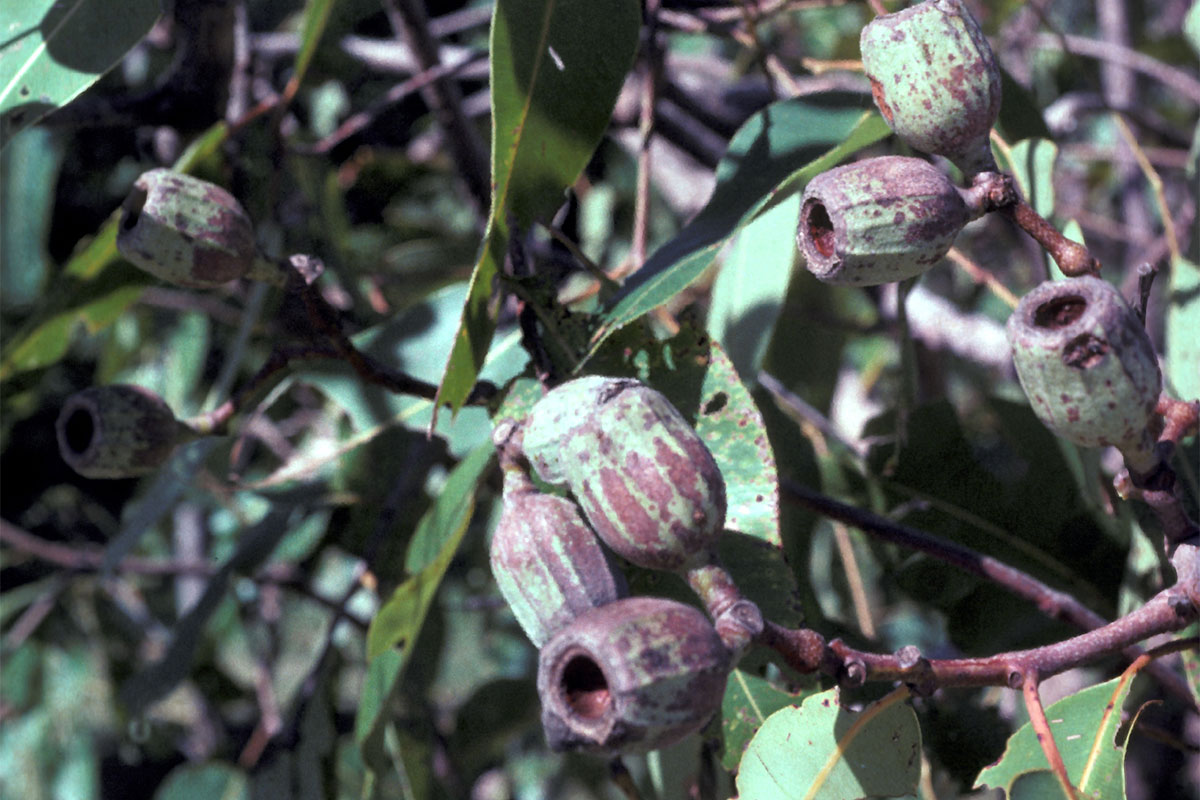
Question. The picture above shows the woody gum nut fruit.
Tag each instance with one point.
(879, 220)
(547, 562)
(644, 479)
(559, 416)
(631, 676)
(117, 431)
(1088, 367)
(186, 231)
(935, 81)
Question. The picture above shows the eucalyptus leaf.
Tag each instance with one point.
(211, 780)
(52, 50)
(1085, 728)
(552, 90)
(824, 751)
(749, 701)
(751, 287)
(1182, 375)
(393, 633)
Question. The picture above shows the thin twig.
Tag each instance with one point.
(1156, 185)
(89, 558)
(1179, 81)
(355, 123)
(651, 71)
(444, 96)
(1054, 604)
(983, 276)
(1072, 258)
(1041, 727)
(807, 651)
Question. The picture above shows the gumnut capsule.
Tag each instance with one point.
(643, 478)
(935, 81)
(1088, 367)
(117, 431)
(188, 232)
(879, 220)
(547, 562)
(631, 676)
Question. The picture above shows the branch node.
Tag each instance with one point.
(854, 673)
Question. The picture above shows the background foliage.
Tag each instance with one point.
(304, 608)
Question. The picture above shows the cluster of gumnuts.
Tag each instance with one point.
(1081, 351)
(188, 232)
(620, 465)
(611, 460)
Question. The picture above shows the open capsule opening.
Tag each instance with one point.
(585, 688)
(131, 209)
(79, 431)
(1059, 312)
(817, 228)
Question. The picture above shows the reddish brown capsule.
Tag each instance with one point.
(631, 676)
(546, 561)
(644, 479)
(879, 220)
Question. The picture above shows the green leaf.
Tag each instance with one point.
(1033, 167)
(823, 751)
(1191, 27)
(395, 628)
(553, 90)
(52, 51)
(212, 781)
(1085, 727)
(47, 343)
(316, 19)
(28, 178)
(749, 701)
(770, 158)
(751, 288)
(434, 545)
(1183, 331)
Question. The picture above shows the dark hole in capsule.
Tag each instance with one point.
(820, 229)
(80, 429)
(1059, 312)
(132, 208)
(585, 688)
(1084, 351)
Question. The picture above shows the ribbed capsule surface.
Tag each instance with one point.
(560, 416)
(643, 478)
(186, 231)
(548, 564)
(935, 80)
(631, 676)
(116, 431)
(1087, 366)
(878, 220)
